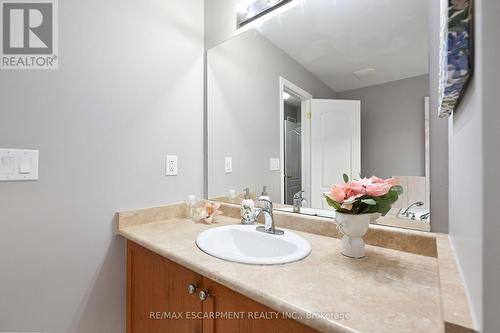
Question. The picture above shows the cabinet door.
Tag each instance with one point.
(157, 297)
(251, 316)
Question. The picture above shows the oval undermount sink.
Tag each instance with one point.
(244, 244)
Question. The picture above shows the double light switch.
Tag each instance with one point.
(18, 164)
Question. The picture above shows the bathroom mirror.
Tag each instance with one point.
(323, 88)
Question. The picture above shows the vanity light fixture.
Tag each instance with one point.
(259, 11)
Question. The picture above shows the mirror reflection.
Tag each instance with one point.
(324, 89)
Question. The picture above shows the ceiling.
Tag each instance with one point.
(334, 38)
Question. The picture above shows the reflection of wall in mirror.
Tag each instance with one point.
(392, 127)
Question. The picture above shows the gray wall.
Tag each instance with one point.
(129, 90)
(243, 111)
(392, 127)
(465, 172)
(438, 130)
(491, 129)
(474, 180)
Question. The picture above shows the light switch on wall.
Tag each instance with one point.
(275, 164)
(7, 165)
(24, 165)
(17, 164)
(228, 164)
(171, 165)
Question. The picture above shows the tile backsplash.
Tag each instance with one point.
(414, 189)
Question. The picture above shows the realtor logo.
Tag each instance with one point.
(28, 34)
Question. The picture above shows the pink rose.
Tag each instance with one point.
(375, 179)
(366, 181)
(354, 190)
(337, 193)
(392, 181)
(378, 189)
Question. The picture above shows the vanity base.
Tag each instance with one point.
(158, 300)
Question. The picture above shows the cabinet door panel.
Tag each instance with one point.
(157, 299)
(252, 320)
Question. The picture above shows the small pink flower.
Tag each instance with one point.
(375, 179)
(337, 193)
(354, 190)
(366, 181)
(212, 209)
(378, 189)
(392, 181)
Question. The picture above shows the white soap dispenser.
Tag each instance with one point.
(247, 209)
(264, 194)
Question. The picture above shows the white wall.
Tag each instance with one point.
(243, 111)
(220, 21)
(392, 127)
(130, 73)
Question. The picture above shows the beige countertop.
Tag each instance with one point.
(387, 291)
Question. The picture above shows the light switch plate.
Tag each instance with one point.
(18, 165)
(171, 165)
(275, 164)
(228, 165)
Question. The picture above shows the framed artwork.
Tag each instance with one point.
(455, 54)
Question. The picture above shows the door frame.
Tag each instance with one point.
(305, 116)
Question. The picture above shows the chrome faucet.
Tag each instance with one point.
(267, 209)
(416, 204)
(297, 201)
(425, 216)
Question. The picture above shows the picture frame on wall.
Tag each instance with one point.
(455, 54)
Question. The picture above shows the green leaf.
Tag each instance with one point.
(332, 203)
(346, 178)
(398, 189)
(384, 207)
(370, 202)
(391, 196)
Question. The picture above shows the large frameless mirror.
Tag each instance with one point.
(323, 89)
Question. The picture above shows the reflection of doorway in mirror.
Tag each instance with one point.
(293, 137)
(294, 140)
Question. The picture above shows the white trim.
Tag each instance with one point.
(306, 98)
(427, 156)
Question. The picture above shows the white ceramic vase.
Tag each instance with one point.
(353, 228)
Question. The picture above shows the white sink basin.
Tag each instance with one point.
(244, 244)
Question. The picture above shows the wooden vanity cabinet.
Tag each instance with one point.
(157, 293)
(157, 287)
(256, 317)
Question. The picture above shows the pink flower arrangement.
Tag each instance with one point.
(364, 196)
(207, 212)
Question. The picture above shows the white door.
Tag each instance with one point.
(335, 145)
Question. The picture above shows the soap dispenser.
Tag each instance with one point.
(247, 209)
(264, 194)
